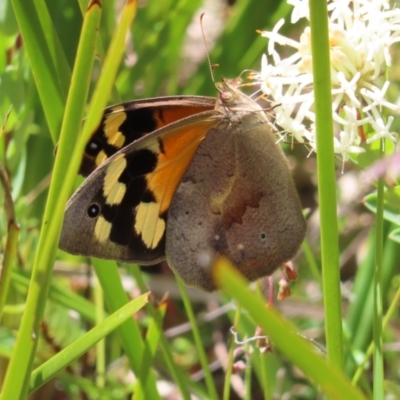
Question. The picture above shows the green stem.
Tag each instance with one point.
(326, 181)
(176, 374)
(212, 391)
(10, 251)
(101, 362)
(391, 311)
(230, 361)
(378, 373)
(130, 335)
(10, 256)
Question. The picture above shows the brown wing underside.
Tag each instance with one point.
(236, 199)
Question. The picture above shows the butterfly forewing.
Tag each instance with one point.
(120, 211)
(124, 123)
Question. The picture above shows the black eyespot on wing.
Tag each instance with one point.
(93, 147)
(93, 211)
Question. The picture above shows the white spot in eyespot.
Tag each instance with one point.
(240, 246)
(216, 237)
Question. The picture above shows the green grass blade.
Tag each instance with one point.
(11, 247)
(132, 342)
(106, 81)
(152, 338)
(65, 357)
(229, 366)
(9, 258)
(212, 391)
(299, 351)
(60, 295)
(17, 378)
(311, 262)
(57, 54)
(391, 311)
(179, 377)
(31, 16)
(101, 364)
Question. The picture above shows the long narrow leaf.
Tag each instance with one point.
(64, 358)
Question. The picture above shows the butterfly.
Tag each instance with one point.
(186, 179)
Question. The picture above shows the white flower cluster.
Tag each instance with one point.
(360, 34)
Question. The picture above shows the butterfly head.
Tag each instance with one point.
(232, 99)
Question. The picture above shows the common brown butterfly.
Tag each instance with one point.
(186, 179)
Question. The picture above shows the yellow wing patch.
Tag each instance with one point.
(102, 229)
(148, 224)
(111, 127)
(113, 190)
(101, 157)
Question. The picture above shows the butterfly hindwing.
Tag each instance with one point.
(236, 200)
(120, 211)
(124, 123)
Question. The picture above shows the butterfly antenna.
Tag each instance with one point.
(211, 66)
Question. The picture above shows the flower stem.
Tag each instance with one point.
(378, 375)
(326, 181)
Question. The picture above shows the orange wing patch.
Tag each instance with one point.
(178, 150)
